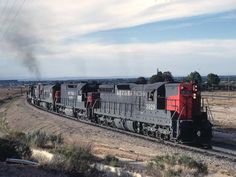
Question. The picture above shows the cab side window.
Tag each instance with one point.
(151, 95)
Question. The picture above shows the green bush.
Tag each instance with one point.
(73, 160)
(13, 149)
(16, 136)
(111, 160)
(43, 140)
(4, 128)
(176, 165)
(55, 139)
(191, 163)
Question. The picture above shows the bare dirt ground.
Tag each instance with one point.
(223, 109)
(23, 117)
(10, 92)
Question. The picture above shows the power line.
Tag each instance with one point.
(4, 8)
(13, 18)
(8, 12)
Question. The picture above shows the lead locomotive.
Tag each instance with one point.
(170, 111)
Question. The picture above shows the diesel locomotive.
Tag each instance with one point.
(169, 111)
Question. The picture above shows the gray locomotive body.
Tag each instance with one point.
(170, 111)
(135, 108)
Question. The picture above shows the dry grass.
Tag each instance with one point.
(223, 110)
(176, 165)
(11, 92)
(220, 93)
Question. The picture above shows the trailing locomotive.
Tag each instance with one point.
(170, 111)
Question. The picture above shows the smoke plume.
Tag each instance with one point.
(21, 39)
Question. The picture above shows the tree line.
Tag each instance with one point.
(212, 79)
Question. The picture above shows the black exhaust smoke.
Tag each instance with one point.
(21, 39)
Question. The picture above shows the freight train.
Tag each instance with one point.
(168, 111)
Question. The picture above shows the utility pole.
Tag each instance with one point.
(228, 87)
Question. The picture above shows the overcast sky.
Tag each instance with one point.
(103, 38)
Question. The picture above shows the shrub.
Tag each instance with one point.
(42, 139)
(73, 160)
(37, 138)
(111, 160)
(191, 163)
(16, 136)
(157, 163)
(13, 149)
(176, 165)
(55, 139)
(4, 128)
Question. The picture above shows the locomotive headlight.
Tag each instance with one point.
(195, 88)
(194, 96)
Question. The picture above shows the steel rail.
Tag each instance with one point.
(217, 96)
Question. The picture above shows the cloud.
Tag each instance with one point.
(180, 57)
(54, 21)
(59, 19)
(139, 59)
(216, 48)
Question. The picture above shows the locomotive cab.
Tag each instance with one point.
(189, 123)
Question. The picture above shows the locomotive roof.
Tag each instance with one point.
(106, 86)
(48, 86)
(79, 86)
(146, 87)
(150, 87)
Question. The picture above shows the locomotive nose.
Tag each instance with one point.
(205, 136)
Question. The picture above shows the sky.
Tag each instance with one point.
(116, 38)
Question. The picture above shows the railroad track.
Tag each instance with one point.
(217, 96)
(217, 152)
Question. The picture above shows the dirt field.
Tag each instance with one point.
(7, 93)
(223, 109)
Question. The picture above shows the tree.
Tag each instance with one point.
(213, 79)
(141, 80)
(195, 77)
(168, 76)
(156, 78)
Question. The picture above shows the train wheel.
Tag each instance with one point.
(99, 121)
(157, 135)
(145, 132)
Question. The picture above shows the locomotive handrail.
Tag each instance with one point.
(173, 114)
(210, 113)
(95, 103)
(209, 110)
(178, 121)
(181, 111)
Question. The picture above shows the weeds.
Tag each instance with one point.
(73, 160)
(43, 140)
(16, 136)
(111, 160)
(4, 128)
(13, 149)
(191, 163)
(176, 165)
